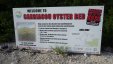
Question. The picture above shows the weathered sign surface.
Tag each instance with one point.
(78, 28)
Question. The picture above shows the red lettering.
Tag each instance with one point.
(93, 18)
(37, 16)
(62, 16)
(79, 16)
(25, 16)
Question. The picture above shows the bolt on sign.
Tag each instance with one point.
(77, 28)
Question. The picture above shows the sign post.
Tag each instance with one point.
(78, 28)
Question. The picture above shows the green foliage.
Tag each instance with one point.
(6, 27)
(61, 50)
(108, 28)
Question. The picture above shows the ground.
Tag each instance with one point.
(19, 56)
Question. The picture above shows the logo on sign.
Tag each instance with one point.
(18, 14)
(93, 17)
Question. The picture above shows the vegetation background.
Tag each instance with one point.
(6, 16)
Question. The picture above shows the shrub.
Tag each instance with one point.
(6, 27)
(61, 50)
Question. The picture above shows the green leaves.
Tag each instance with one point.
(108, 28)
(61, 50)
(6, 27)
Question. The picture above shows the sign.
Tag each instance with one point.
(78, 28)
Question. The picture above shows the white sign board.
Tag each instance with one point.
(78, 28)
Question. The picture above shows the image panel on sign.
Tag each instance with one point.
(26, 31)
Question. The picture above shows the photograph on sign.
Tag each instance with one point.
(26, 31)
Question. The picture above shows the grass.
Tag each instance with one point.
(60, 50)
